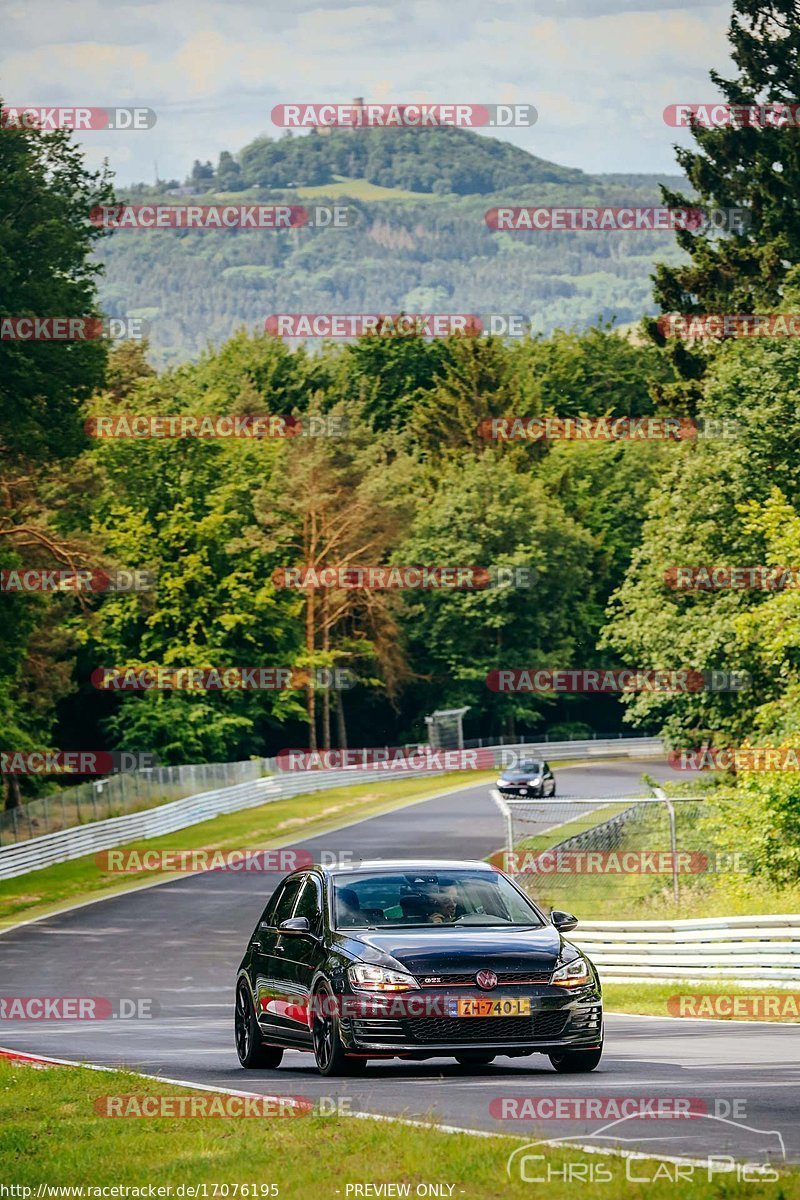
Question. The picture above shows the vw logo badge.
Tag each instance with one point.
(486, 980)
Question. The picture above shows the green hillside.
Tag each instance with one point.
(419, 242)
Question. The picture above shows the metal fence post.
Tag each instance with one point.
(673, 840)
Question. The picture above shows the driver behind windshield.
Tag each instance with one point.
(444, 905)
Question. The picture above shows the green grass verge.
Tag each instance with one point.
(725, 892)
(558, 833)
(754, 1003)
(281, 823)
(51, 1134)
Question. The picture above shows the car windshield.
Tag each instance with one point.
(523, 770)
(452, 899)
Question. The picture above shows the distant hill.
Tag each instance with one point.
(436, 161)
(420, 243)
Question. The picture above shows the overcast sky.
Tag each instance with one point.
(600, 72)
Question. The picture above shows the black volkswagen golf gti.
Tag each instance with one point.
(413, 960)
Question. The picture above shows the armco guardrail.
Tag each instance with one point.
(67, 844)
(115, 795)
(633, 747)
(167, 818)
(758, 950)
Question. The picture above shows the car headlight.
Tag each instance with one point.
(366, 978)
(572, 974)
(535, 780)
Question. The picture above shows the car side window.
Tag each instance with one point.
(309, 902)
(281, 904)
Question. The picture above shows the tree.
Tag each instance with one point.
(201, 172)
(46, 244)
(229, 173)
(184, 508)
(476, 512)
(704, 514)
(346, 507)
(757, 169)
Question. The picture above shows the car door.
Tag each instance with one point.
(269, 984)
(301, 954)
(548, 781)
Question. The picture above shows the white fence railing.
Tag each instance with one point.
(632, 747)
(753, 950)
(167, 818)
(66, 844)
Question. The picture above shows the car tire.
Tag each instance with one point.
(474, 1060)
(329, 1052)
(253, 1054)
(576, 1062)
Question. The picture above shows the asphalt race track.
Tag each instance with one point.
(180, 944)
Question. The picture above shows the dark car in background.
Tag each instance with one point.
(531, 777)
(413, 960)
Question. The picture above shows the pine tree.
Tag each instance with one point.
(745, 167)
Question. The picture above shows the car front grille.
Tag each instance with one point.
(540, 1027)
(467, 979)
(421, 1031)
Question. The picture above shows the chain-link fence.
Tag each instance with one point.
(115, 795)
(631, 857)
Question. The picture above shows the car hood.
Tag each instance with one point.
(433, 951)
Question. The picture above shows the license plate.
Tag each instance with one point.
(485, 1007)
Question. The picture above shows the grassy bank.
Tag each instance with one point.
(698, 1000)
(281, 823)
(51, 1134)
(713, 878)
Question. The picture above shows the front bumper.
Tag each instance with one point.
(561, 1022)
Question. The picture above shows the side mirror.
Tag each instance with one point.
(295, 925)
(563, 921)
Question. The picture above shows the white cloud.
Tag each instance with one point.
(600, 72)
